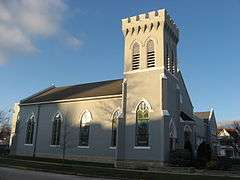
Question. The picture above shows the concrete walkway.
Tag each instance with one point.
(16, 174)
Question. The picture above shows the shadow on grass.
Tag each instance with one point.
(95, 170)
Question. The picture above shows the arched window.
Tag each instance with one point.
(172, 135)
(30, 130)
(150, 54)
(114, 128)
(84, 129)
(187, 138)
(56, 129)
(142, 125)
(135, 56)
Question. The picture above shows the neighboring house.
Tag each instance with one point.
(207, 121)
(137, 120)
(4, 134)
(229, 142)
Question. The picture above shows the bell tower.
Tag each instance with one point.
(150, 42)
(150, 67)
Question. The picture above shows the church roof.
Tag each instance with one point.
(203, 115)
(103, 88)
(185, 117)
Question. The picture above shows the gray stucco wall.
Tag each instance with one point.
(140, 88)
(100, 130)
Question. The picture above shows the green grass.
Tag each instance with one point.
(99, 171)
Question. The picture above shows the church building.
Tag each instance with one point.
(137, 120)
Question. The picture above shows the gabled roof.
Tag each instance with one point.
(182, 82)
(231, 131)
(185, 117)
(203, 115)
(103, 88)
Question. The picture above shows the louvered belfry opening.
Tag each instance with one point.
(150, 54)
(173, 64)
(136, 57)
(168, 59)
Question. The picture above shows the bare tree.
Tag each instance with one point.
(5, 127)
(236, 125)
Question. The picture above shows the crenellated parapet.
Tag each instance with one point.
(148, 22)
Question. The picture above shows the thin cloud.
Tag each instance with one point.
(2, 59)
(21, 21)
(73, 42)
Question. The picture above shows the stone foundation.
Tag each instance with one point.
(136, 164)
(96, 159)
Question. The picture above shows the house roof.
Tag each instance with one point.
(232, 132)
(203, 115)
(103, 88)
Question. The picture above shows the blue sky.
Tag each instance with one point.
(71, 42)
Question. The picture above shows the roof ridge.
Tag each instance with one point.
(202, 111)
(38, 93)
(92, 89)
(89, 83)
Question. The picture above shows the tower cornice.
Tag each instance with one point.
(150, 21)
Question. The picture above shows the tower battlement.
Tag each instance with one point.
(149, 21)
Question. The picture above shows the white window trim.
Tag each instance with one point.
(142, 147)
(51, 145)
(165, 112)
(113, 147)
(83, 113)
(28, 144)
(117, 109)
(142, 70)
(30, 117)
(83, 147)
(55, 114)
(139, 102)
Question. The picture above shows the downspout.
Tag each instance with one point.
(120, 146)
(36, 134)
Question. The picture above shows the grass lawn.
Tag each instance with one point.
(94, 170)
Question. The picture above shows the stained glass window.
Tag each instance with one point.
(142, 125)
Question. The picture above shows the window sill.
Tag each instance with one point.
(83, 147)
(112, 148)
(142, 147)
(55, 146)
(28, 144)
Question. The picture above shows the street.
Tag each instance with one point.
(16, 174)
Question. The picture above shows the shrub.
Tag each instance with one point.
(180, 157)
(212, 165)
(224, 163)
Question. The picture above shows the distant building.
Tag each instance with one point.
(134, 121)
(229, 143)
